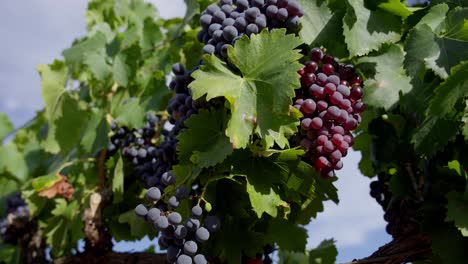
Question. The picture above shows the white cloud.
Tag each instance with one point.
(357, 214)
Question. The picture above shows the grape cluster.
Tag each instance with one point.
(330, 100)
(139, 147)
(223, 24)
(379, 190)
(16, 222)
(181, 106)
(181, 238)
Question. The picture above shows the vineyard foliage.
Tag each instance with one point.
(237, 151)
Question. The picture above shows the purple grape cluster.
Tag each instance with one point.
(331, 101)
(223, 24)
(181, 239)
(16, 222)
(150, 160)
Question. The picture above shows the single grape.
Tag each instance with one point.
(182, 192)
(184, 259)
(316, 54)
(306, 123)
(311, 66)
(321, 163)
(197, 211)
(251, 29)
(330, 89)
(240, 24)
(282, 14)
(229, 22)
(308, 79)
(202, 234)
(213, 28)
(205, 21)
(174, 218)
(316, 123)
(208, 49)
(211, 9)
(173, 202)
(192, 224)
(168, 178)
(293, 8)
(242, 5)
(293, 23)
(271, 11)
(218, 17)
(336, 98)
(153, 194)
(154, 214)
(251, 14)
(328, 69)
(190, 247)
(199, 259)
(229, 33)
(308, 107)
(162, 222)
(261, 22)
(212, 223)
(335, 156)
(344, 90)
(141, 210)
(227, 9)
(180, 232)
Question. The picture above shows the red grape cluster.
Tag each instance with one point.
(330, 100)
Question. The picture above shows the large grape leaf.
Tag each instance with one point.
(95, 134)
(395, 7)
(450, 92)
(6, 127)
(419, 40)
(325, 253)
(281, 231)
(457, 211)
(12, 163)
(66, 126)
(433, 135)
(366, 30)
(390, 79)
(260, 96)
(204, 141)
(316, 17)
(54, 77)
(265, 201)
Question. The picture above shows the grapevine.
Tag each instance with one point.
(219, 136)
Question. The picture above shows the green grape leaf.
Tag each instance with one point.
(457, 211)
(390, 78)
(118, 181)
(35, 203)
(45, 182)
(131, 113)
(65, 227)
(204, 141)
(259, 98)
(6, 127)
(95, 134)
(9, 254)
(120, 70)
(454, 89)
(325, 253)
(334, 27)
(366, 30)
(54, 77)
(77, 53)
(265, 201)
(13, 163)
(396, 7)
(66, 127)
(281, 231)
(433, 135)
(316, 16)
(138, 227)
(97, 63)
(435, 16)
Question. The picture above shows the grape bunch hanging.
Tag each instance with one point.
(16, 222)
(223, 24)
(181, 239)
(330, 99)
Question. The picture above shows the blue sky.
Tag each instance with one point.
(36, 31)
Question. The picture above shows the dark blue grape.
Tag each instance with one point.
(173, 202)
(199, 259)
(229, 33)
(251, 29)
(174, 218)
(218, 17)
(153, 194)
(202, 234)
(190, 247)
(141, 210)
(154, 214)
(240, 24)
(184, 259)
(205, 21)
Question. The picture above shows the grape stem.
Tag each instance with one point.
(75, 162)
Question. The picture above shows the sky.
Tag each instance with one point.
(36, 31)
